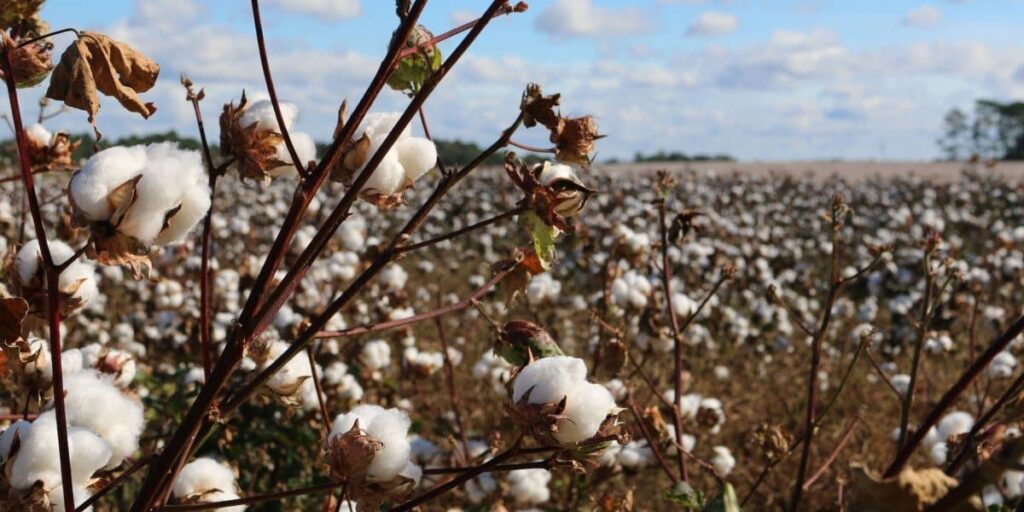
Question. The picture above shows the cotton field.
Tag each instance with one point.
(260, 324)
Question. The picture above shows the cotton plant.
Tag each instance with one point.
(77, 284)
(553, 401)
(252, 136)
(404, 163)
(134, 198)
(205, 480)
(293, 384)
(368, 449)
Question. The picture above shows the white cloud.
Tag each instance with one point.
(581, 18)
(713, 24)
(331, 10)
(927, 16)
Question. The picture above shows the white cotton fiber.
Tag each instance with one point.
(203, 475)
(956, 422)
(80, 491)
(103, 172)
(388, 175)
(417, 156)
(171, 177)
(293, 372)
(585, 409)
(261, 112)
(529, 486)
(28, 263)
(723, 461)
(552, 172)
(305, 148)
(92, 402)
(38, 459)
(39, 134)
(390, 427)
(551, 379)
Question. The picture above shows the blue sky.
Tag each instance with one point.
(759, 79)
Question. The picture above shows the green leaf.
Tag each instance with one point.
(724, 502)
(543, 238)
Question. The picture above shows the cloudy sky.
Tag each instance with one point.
(759, 79)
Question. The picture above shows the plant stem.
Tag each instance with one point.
(268, 79)
(666, 284)
(52, 271)
(922, 331)
(472, 227)
(259, 498)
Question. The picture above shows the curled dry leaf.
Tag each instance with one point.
(98, 64)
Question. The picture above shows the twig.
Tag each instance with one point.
(847, 435)
(666, 284)
(472, 227)
(260, 498)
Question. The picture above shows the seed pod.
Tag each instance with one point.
(570, 193)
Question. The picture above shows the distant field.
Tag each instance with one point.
(940, 171)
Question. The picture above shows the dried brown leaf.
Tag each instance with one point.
(98, 64)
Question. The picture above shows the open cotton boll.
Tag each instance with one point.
(305, 148)
(38, 458)
(631, 290)
(294, 373)
(529, 486)
(194, 205)
(376, 354)
(77, 281)
(103, 172)
(550, 379)
(956, 422)
(93, 402)
(204, 475)
(390, 427)
(388, 175)
(413, 472)
(168, 176)
(39, 134)
(378, 125)
(683, 305)
(417, 156)
(585, 409)
(723, 461)
(261, 113)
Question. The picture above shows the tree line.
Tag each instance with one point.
(994, 131)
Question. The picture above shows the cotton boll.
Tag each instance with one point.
(81, 493)
(305, 148)
(683, 305)
(194, 205)
(901, 382)
(723, 461)
(393, 277)
(585, 410)
(380, 124)
(103, 172)
(387, 177)
(218, 496)
(38, 458)
(376, 354)
(390, 427)
(550, 378)
(938, 453)
(417, 156)
(529, 486)
(292, 375)
(413, 472)
(203, 475)
(261, 113)
(39, 134)
(94, 403)
(1002, 365)
(956, 422)
(78, 277)
(168, 176)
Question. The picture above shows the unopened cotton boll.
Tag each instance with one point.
(172, 183)
(390, 427)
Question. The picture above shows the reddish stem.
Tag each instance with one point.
(52, 287)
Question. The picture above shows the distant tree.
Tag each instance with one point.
(996, 132)
(956, 137)
(677, 156)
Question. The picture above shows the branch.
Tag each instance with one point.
(459, 232)
(52, 272)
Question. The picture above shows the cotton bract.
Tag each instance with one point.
(261, 115)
